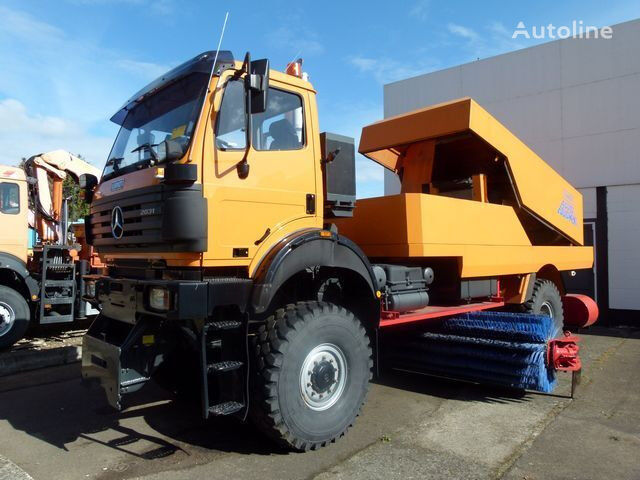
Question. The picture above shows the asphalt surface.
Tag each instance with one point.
(412, 427)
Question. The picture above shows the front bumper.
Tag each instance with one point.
(128, 341)
(128, 299)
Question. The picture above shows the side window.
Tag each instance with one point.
(281, 126)
(9, 198)
(231, 129)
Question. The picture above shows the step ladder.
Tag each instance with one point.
(224, 362)
(57, 285)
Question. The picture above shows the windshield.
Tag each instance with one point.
(170, 114)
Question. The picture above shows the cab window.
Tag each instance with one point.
(281, 126)
(9, 198)
(231, 130)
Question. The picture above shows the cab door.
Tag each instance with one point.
(247, 215)
(13, 218)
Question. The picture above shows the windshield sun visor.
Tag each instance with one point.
(199, 64)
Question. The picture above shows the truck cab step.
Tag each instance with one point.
(224, 325)
(225, 408)
(224, 366)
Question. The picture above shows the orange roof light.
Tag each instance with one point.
(295, 68)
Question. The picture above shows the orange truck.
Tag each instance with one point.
(41, 283)
(238, 260)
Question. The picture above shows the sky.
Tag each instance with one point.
(67, 65)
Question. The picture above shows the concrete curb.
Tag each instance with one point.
(10, 471)
(22, 361)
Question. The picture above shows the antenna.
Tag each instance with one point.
(215, 59)
(213, 67)
(295, 57)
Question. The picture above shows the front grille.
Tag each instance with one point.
(142, 225)
(158, 218)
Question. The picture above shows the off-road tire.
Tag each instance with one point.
(545, 291)
(22, 315)
(282, 344)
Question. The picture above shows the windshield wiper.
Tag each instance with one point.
(148, 146)
(115, 161)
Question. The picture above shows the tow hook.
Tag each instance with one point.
(562, 355)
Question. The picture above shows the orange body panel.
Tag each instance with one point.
(559, 205)
(488, 239)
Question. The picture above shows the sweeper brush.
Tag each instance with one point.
(521, 351)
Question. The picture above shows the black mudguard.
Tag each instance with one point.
(122, 357)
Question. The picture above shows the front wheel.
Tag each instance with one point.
(14, 316)
(312, 367)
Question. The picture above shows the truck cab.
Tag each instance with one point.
(200, 218)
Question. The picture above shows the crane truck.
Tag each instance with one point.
(41, 284)
(238, 260)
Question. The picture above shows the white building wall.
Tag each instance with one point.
(576, 103)
(623, 205)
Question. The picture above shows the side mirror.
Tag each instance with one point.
(172, 149)
(258, 84)
(87, 183)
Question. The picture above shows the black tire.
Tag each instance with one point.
(282, 346)
(546, 300)
(15, 309)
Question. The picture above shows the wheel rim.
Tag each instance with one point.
(323, 376)
(546, 309)
(7, 318)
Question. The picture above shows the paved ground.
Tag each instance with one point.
(412, 427)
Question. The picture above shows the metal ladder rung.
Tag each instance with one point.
(225, 408)
(224, 366)
(58, 300)
(56, 319)
(59, 283)
(223, 325)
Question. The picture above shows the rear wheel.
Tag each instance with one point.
(312, 367)
(546, 300)
(14, 316)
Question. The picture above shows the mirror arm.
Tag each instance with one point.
(243, 166)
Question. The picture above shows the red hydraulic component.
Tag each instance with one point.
(579, 310)
(562, 353)
(432, 312)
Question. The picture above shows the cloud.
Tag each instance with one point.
(58, 90)
(420, 9)
(14, 119)
(27, 28)
(296, 41)
(160, 7)
(23, 134)
(498, 29)
(493, 39)
(148, 70)
(463, 32)
(386, 70)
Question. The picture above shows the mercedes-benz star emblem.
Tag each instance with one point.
(117, 223)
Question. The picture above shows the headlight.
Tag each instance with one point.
(159, 298)
(90, 288)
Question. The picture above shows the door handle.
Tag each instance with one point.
(264, 235)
